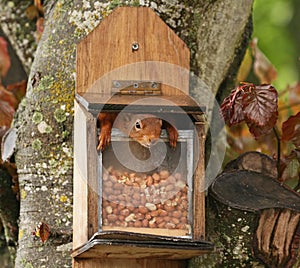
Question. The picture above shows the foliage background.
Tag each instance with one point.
(277, 27)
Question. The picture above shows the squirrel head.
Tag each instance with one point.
(143, 128)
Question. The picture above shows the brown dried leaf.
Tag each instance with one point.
(43, 231)
(231, 108)
(260, 105)
(294, 93)
(258, 130)
(39, 28)
(256, 105)
(4, 58)
(6, 113)
(3, 130)
(18, 89)
(32, 12)
(8, 97)
(291, 130)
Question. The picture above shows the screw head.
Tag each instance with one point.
(135, 46)
(154, 85)
(116, 84)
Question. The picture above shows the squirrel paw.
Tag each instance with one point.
(173, 136)
(104, 140)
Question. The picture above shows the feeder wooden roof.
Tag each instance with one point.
(133, 45)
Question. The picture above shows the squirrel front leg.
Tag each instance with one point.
(172, 132)
(106, 121)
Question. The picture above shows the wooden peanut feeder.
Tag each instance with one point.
(128, 213)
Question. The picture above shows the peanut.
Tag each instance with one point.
(175, 220)
(149, 181)
(112, 217)
(143, 209)
(169, 187)
(154, 213)
(145, 223)
(139, 216)
(162, 212)
(136, 196)
(109, 209)
(161, 225)
(170, 225)
(125, 212)
(164, 174)
(150, 206)
(129, 183)
(137, 224)
(176, 214)
(160, 220)
(156, 177)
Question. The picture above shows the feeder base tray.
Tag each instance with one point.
(131, 245)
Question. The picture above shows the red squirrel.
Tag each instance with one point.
(143, 128)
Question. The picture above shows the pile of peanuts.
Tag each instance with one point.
(158, 200)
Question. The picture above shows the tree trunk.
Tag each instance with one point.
(44, 147)
(217, 34)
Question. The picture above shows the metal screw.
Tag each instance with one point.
(116, 84)
(154, 85)
(135, 85)
(135, 46)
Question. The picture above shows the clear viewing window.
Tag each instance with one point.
(147, 191)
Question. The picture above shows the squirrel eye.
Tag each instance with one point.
(138, 125)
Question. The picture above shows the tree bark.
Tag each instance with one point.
(9, 210)
(44, 147)
(216, 32)
(16, 25)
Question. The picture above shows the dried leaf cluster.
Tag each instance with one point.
(263, 109)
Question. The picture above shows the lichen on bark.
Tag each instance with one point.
(231, 230)
(44, 148)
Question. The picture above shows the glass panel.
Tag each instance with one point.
(147, 191)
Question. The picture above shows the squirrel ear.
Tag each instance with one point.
(138, 125)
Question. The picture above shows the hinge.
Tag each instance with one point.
(130, 87)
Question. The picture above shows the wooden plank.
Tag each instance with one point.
(92, 175)
(199, 184)
(113, 250)
(161, 55)
(154, 231)
(80, 206)
(115, 244)
(126, 263)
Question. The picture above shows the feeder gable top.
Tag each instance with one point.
(131, 35)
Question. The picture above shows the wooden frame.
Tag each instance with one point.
(138, 46)
(87, 186)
